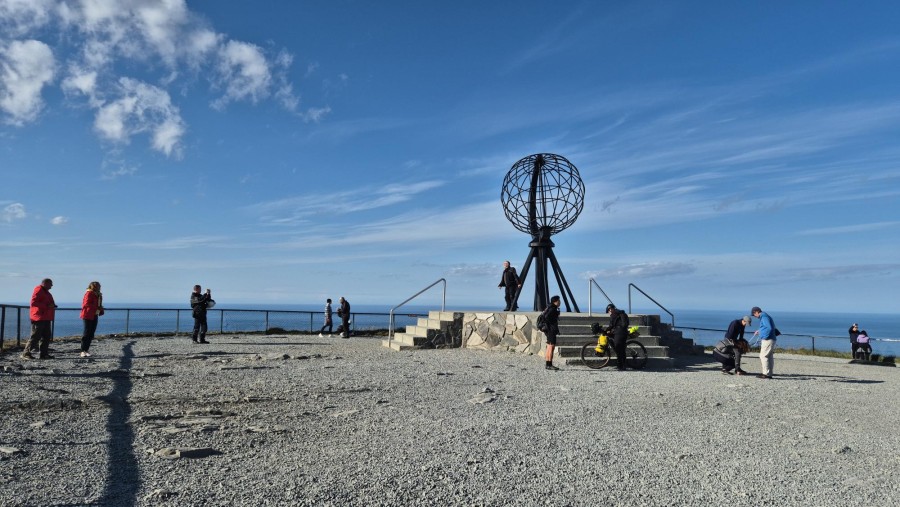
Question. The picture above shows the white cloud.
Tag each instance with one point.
(25, 68)
(141, 108)
(243, 72)
(18, 17)
(60, 220)
(161, 37)
(14, 211)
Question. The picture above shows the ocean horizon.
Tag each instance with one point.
(819, 330)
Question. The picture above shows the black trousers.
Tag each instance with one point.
(511, 305)
(620, 336)
(345, 325)
(90, 327)
(328, 324)
(728, 362)
(41, 331)
(199, 328)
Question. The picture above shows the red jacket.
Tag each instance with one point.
(42, 305)
(90, 305)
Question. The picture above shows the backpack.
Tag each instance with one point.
(862, 338)
(542, 321)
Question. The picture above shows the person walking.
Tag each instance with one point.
(328, 322)
(551, 318)
(344, 314)
(767, 334)
(730, 349)
(510, 280)
(42, 313)
(618, 331)
(199, 304)
(91, 310)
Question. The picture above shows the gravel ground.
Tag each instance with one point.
(299, 420)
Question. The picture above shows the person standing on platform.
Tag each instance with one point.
(199, 304)
(328, 322)
(42, 313)
(767, 334)
(510, 280)
(91, 310)
(344, 314)
(551, 318)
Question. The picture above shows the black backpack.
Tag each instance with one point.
(542, 321)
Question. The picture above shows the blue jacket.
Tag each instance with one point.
(766, 327)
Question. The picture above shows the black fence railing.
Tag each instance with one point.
(15, 323)
(708, 337)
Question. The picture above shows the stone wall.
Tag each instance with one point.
(502, 331)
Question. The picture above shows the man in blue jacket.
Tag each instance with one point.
(767, 334)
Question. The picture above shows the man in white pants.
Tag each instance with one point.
(767, 334)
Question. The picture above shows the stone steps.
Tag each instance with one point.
(516, 331)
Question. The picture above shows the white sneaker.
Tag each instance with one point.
(85, 354)
(320, 335)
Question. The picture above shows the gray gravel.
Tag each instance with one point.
(298, 420)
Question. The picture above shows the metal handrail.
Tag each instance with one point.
(591, 295)
(391, 318)
(630, 285)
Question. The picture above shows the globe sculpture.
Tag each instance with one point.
(543, 195)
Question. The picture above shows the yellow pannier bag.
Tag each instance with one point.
(602, 342)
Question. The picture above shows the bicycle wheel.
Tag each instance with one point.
(593, 359)
(635, 354)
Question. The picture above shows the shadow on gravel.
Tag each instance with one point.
(858, 381)
(270, 344)
(123, 478)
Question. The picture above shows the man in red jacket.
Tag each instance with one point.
(43, 311)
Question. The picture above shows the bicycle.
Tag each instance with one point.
(596, 354)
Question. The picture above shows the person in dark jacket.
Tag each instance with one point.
(510, 280)
(854, 335)
(199, 304)
(618, 331)
(344, 314)
(551, 317)
(42, 313)
(729, 350)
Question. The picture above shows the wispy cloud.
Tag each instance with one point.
(13, 212)
(643, 270)
(830, 273)
(300, 209)
(59, 220)
(181, 243)
(849, 229)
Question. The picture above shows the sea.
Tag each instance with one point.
(800, 330)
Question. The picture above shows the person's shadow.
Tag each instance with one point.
(123, 478)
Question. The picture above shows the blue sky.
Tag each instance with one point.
(733, 153)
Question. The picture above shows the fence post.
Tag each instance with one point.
(2, 326)
(813, 343)
(177, 320)
(18, 327)
(310, 322)
(127, 320)
(267, 322)
(222, 321)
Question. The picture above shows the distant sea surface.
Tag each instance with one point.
(823, 331)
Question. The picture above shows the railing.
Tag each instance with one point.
(630, 285)
(591, 285)
(417, 294)
(130, 321)
(792, 340)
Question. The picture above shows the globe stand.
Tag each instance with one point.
(542, 250)
(542, 195)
